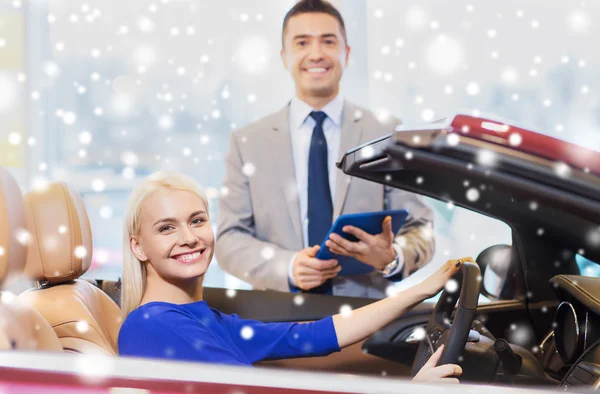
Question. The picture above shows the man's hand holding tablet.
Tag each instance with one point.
(361, 242)
(310, 272)
(356, 244)
(374, 250)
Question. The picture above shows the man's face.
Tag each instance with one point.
(315, 53)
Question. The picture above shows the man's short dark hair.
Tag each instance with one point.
(314, 6)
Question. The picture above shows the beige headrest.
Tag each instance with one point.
(12, 226)
(61, 237)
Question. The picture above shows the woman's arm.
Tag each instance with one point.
(259, 341)
(365, 321)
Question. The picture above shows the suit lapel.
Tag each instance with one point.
(350, 138)
(283, 162)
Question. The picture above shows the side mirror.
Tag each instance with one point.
(494, 263)
(492, 284)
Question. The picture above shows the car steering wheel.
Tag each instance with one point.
(439, 330)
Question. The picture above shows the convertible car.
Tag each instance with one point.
(540, 326)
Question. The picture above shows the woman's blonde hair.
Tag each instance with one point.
(134, 271)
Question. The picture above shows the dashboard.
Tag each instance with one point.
(574, 343)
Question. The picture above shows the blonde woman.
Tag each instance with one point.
(168, 246)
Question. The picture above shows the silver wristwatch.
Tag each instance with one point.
(391, 266)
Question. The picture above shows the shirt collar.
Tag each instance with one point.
(299, 111)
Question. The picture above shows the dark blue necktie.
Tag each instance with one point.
(320, 207)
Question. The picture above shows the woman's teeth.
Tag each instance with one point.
(188, 257)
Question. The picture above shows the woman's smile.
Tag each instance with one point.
(190, 257)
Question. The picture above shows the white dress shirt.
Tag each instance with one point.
(301, 126)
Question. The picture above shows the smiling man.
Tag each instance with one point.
(284, 190)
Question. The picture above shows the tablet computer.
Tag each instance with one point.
(369, 222)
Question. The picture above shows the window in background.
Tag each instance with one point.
(458, 232)
(587, 267)
(12, 98)
(116, 90)
(127, 88)
(526, 62)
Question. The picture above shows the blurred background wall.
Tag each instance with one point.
(102, 93)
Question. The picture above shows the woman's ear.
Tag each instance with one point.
(136, 248)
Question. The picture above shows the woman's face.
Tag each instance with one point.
(176, 238)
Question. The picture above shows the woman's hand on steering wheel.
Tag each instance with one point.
(443, 374)
(436, 282)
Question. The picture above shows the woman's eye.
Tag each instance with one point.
(198, 221)
(165, 228)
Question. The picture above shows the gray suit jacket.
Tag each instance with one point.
(259, 228)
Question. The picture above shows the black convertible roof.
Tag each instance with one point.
(521, 188)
